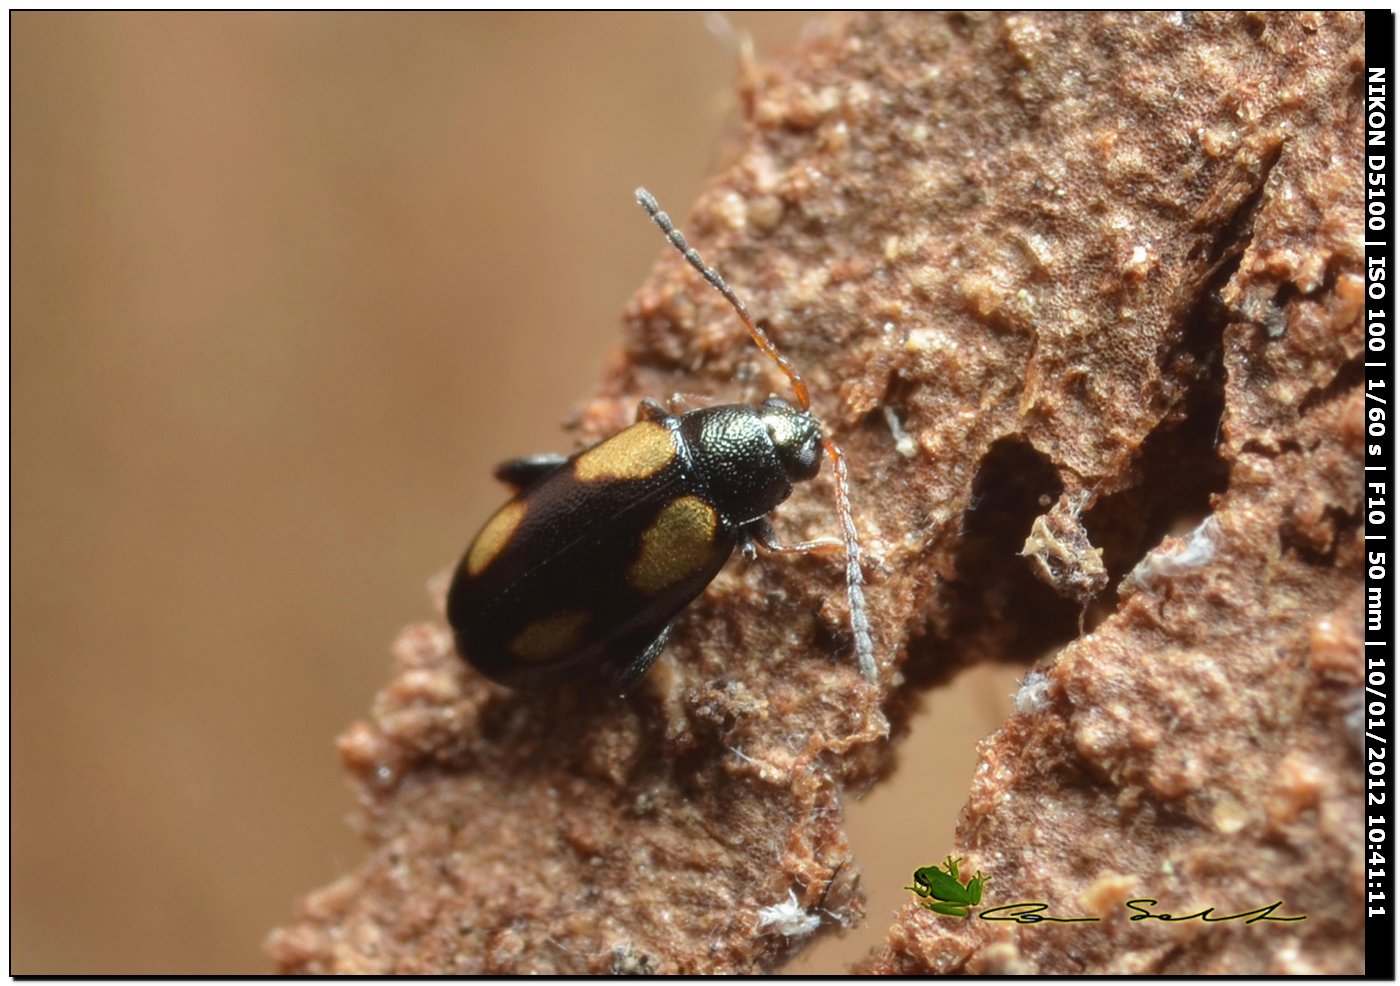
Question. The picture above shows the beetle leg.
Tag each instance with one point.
(528, 469)
(680, 403)
(632, 671)
(761, 531)
(676, 405)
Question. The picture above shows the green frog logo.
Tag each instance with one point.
(943, 891)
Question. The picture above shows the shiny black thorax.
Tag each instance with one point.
(586, 567)
(742, 465)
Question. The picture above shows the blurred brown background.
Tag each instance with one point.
(277, 309)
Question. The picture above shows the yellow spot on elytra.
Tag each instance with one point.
(635, 453)
(494, 536)
(550, 637)
(678, 544)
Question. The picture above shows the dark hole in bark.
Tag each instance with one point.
(1003, 610)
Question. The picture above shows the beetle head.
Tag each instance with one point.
(796, 435)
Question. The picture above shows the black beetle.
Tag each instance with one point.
(586, 567)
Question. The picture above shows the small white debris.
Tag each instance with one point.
(1033, 695)
(1177, 556)
(903, 441)
(788, 918)
(1355, 722)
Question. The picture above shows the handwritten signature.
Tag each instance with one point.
(1033, 912)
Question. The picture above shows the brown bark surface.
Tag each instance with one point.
(1114, 258)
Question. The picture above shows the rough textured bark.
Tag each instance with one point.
(1114, 258)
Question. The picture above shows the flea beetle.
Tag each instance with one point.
(587, 565)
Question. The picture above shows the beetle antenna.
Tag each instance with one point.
(855, 595)
(760, 338)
